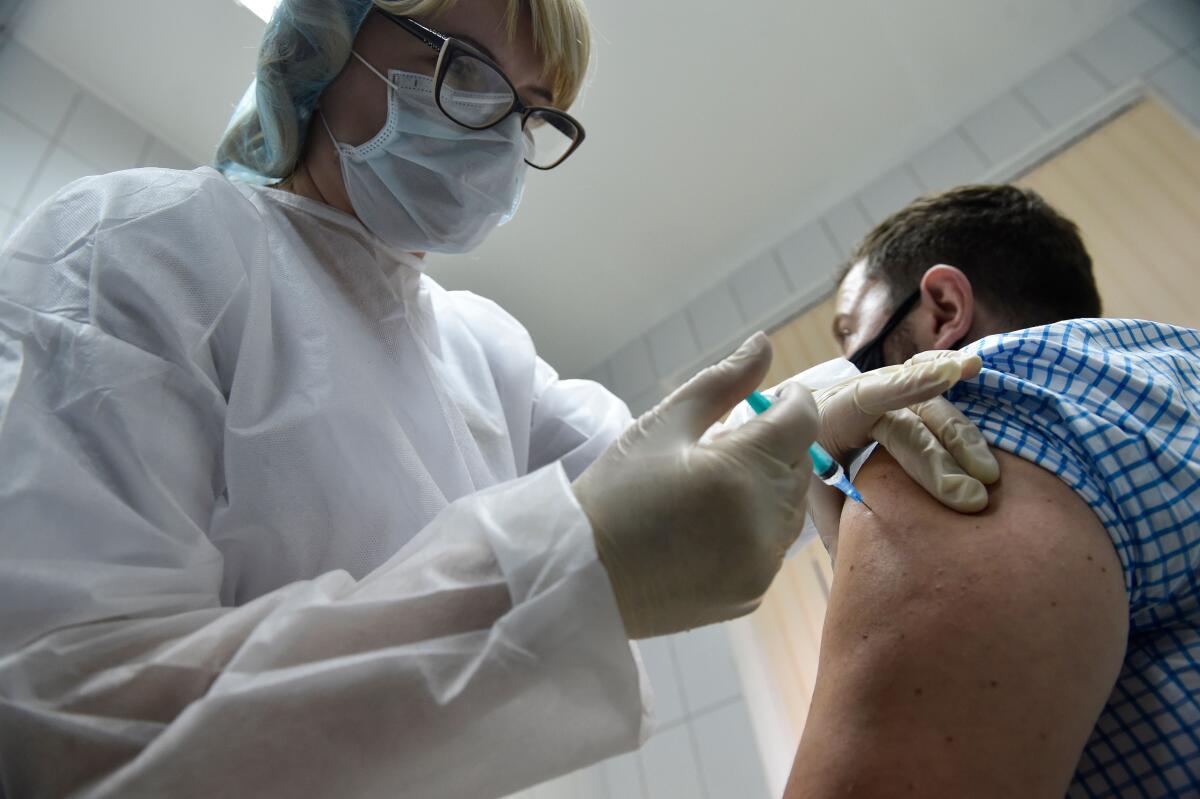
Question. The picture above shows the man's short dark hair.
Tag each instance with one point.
(1026, 262)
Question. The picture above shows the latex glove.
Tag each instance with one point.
(693, 532)
(901, 407)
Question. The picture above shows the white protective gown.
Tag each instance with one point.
(279, 516)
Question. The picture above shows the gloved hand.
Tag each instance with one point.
(692, 532)
(901, 408)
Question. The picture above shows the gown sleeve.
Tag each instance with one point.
(485, 656)
(573, 420)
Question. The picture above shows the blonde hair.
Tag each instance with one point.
(307, 43)
(560, 34)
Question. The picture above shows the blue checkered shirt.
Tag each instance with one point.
(1112, 406)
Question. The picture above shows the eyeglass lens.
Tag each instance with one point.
(474, 94)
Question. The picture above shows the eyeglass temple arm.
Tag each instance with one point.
(429, 37)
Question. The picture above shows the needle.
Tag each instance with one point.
(825, 467)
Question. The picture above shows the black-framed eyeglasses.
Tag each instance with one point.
(472, 91)
(869, 356)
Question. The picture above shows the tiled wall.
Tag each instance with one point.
(1156, 47)
(52, 132)
(704, 746)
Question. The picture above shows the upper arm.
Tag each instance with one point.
(551, 420)
(111, 467)
(111, 423)
(963, 655)
(573, 421)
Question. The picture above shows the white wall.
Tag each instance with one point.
(704, 747)
(1155, 48)
(53, 132)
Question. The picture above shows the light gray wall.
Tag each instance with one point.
(1156, 49)
(53, 132)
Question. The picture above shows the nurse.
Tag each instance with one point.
(280, 516)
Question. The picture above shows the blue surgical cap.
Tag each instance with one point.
(305, 45)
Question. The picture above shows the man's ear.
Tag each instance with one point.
(949, 303)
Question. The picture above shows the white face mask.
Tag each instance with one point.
(425, 183)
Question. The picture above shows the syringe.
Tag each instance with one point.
(825, 467)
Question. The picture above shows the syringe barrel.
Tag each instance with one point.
(833, 475)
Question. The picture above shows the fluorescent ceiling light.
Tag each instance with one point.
(261, 8)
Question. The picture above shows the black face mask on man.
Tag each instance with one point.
(870, 355)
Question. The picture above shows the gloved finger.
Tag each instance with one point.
(825, 507)
(699, 403)
(892, 388)
(960, 438)
(790, 490)
(927, 462)
(787, 388)
(717, 432)
(784, 432)
(797, 500)
(971, 363)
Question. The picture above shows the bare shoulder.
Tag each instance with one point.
(1030, 513)
(963, 655)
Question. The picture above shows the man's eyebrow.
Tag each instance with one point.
(543, 93)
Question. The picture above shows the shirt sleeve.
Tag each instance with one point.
(1111, 407)
(485, 656)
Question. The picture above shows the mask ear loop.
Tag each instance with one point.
(325, 123)
(363, 151)
(367, 64)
